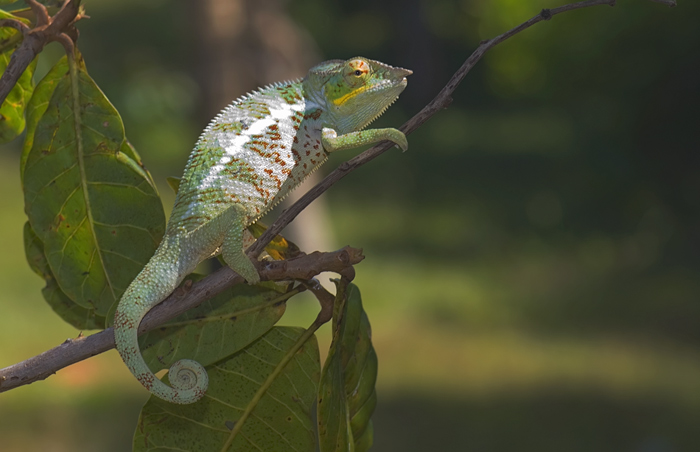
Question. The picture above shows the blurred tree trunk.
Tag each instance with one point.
(244, 44)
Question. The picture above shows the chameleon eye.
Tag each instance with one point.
(358, 72)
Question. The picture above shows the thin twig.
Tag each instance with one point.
(441, 101)
(71, 351)
(47, 29)
(40, 12)
(67, 43)
(16, 24)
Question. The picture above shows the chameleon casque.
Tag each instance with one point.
(248, 158)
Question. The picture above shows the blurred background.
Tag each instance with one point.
(532, 260)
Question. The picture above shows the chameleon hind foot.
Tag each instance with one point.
(232, 250)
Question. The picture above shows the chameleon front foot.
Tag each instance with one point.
(333, 142)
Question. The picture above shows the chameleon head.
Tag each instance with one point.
(355, 92)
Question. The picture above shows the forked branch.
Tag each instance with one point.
(441, 101)
(47, 29)
(72, 351)
(182, 300)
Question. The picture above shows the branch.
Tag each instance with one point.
(73, 350)
(305, 267)
(47, 29)
(17, 25)
(441, 101)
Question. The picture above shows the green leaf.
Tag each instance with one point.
(11, 40)
(347, 396)
(279, 248)
(134, 161)
(12, 111)
(173, 183)
(91, 204)
(281, 420)
(79, 317)
(217, 328)
(38, 104)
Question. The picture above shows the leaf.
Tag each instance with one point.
(81, 318)
(217, 328)
(12, 111)
(347, 396)
(38, 104)
(279, 248)
(173, 183)
(280, 421)
(90, 203)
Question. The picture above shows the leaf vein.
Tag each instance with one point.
(164, 411)
(233, 372)
(123, 256)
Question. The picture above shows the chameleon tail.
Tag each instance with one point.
(156, 281)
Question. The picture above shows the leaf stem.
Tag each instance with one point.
(47, 29)
(282, 298)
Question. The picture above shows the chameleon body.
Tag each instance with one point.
(248, 158)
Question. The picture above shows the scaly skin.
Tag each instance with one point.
(250, 156)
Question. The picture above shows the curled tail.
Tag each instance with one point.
(156, 281)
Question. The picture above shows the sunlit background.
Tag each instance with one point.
(532, 260)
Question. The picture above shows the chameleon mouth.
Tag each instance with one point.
(381, 112)
(389, 85)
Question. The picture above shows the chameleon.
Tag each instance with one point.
(246, 160)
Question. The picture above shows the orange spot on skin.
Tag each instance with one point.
(265, 194)
(359, 65)
(146, 380)
(257, 144)
(315, 114)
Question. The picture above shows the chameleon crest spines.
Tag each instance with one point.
(246, 160)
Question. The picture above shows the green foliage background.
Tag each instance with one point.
(532, 259)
